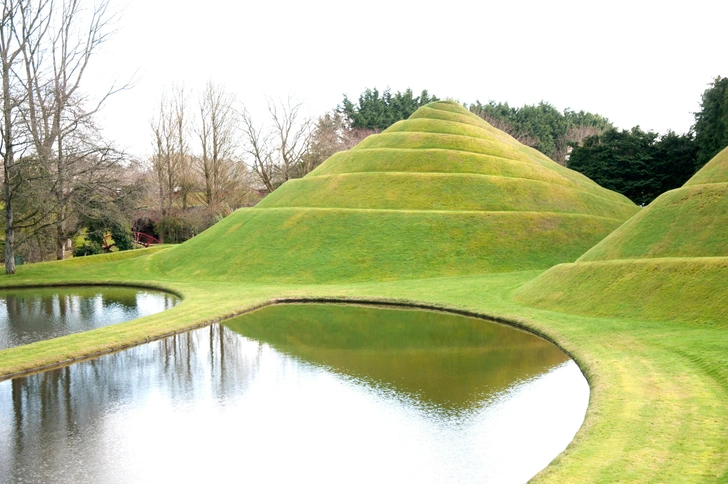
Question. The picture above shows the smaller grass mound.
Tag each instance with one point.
(688, 222)
(670, 261)
(716, 171)
(674, 289)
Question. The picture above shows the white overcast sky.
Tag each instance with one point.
(636, 62)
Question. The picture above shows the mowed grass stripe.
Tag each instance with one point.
(433, 160)
(441, 212)
(444, 141)
(439, 126)
(432, 191)
(312, 245)
(428, 112)
(688, 222)
(686, 289)
(588, 189)
(716, 171)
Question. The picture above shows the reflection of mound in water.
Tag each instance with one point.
(449, 361)
(91, 421)
(441, 194)
(668, 261)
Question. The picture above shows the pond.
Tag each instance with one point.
(35, 314)
(290, 393)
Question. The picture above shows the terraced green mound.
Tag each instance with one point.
(670, 261)
(440, 194)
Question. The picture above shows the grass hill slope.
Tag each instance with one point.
(670, 261)
(440, 194)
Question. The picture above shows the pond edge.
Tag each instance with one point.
(386, 302)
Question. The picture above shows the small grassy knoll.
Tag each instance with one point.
(670, 261)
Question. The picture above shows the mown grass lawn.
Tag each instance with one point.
(658, 388)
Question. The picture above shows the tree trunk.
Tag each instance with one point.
(60, 193)
(9, 231)
(60, 242)
(8, 161)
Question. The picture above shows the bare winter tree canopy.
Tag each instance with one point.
(278, 153)
(218, 134)
(170, 162)
(49, 141)
(196, 165)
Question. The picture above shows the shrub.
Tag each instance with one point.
(90, 248)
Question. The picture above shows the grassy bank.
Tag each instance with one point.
(670, 261)
(656, 414)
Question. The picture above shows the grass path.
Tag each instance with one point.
(658, 389)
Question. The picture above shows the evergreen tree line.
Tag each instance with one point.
(542, 126)
(642, 165)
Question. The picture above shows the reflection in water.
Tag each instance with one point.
(442, 360)
(310, 401)
(29, 315)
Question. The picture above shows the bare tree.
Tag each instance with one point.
(10, 49)
(164, 162)
(172, 160)
(330, 134)
(292, 133)
(278, 154)
(186, 183)
(218, 141)
(22, 26)
(59, 123)
(259, 151)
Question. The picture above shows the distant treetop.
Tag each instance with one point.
(640, 165)
(542, 126)
(377, 112)
(711, 122)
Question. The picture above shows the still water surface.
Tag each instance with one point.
(35, 314)
(301, 393)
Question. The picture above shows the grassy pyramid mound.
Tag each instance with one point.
(440, 194)
(668, 261)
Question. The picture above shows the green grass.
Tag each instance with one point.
(688, 222)
(434, 161)
(447, 212)
(656, 362)
(667, 265)
(383, 160)
(657, 408)
(450, 192)
(101, 258)
(670, 261)
(329, 245)
(716, 171)
(680, 289)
